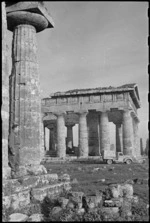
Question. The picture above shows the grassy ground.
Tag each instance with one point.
(93, 177)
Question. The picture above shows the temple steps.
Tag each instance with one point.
(51, 153)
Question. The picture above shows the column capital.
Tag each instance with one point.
(134, 116)
(82, 112)
(117, 123)
(69, 124)
(32, 13)
(59, 113)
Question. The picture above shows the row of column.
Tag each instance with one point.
(126, 135)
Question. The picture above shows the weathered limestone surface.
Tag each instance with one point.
(5, 96)
(93, 133)
(119, 142)
(83, 135)
(61, 144)
(104, 132)
(69, 140)
(127, 133)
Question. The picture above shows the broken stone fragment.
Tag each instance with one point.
(92, 201)
(110, 211)
(64, 177)
(17, 217)
(70, 205)
(76, 198)
(35, 218)
(36, 169)
(63, 201)
(127, 190)
(56, 210)
(81, 211)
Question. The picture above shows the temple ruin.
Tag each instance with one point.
(92, 110)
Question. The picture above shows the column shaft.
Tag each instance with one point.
(51, 139)
(61, 144)
(127, 133)
(119, 142)
(25, 103)
(104, 132)
(137, 151)
(93, 133)
(5, 96)
(69, 136)
(83, 135)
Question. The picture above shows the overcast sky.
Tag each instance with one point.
(96, 44)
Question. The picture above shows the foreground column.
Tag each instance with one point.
(5, 97)
(127, 133)
(61, 143)
(83, 135)
(119, 143)
(25, 102)
(104, 132)
(69, 136)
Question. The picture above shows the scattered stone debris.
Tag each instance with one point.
(74, 181)
(115, 201)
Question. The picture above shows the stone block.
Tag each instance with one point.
(92, 201)
(63, 201)
(38, 194)
(11, 186)
(17, 217)
(56, 210)
(76, 198)
(110, 210)
(35, 218)
(20, 200)
(127, 190)
(6, 202)
(81, 211)
(37, 181)
(70, 205)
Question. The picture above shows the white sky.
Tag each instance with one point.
(96, 44)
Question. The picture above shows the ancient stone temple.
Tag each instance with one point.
(25, 20)
(93, 110)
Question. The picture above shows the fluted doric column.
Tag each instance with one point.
(69, 141)
(119, 141)
(127, 133)
(61, 143)
(83, 135)
(104, 132)
(25, 21)
(93, 133)
(5, 96)
(137, 151)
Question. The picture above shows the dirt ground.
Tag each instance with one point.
(92, 177)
